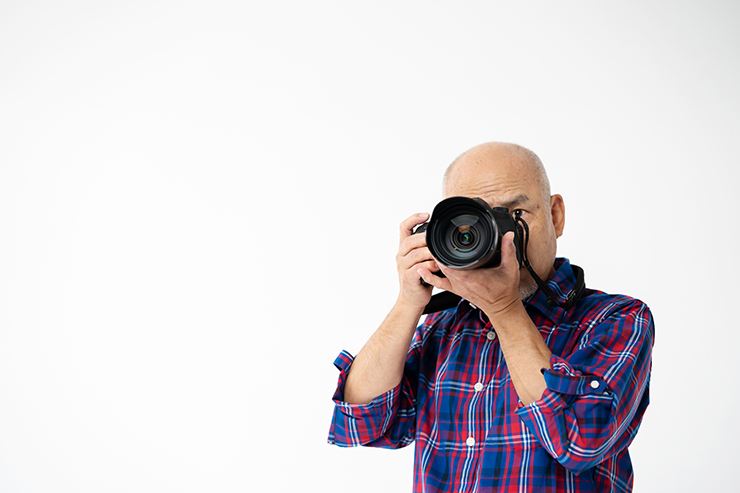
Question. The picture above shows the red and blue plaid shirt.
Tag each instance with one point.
(457, 401)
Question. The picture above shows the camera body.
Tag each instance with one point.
(465, 233)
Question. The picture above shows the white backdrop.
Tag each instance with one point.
(199, 205)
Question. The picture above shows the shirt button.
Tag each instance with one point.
(491, 335)
(478, 387)
(473, 306)
(470, 441)
(594, 384)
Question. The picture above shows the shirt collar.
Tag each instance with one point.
(562, 282)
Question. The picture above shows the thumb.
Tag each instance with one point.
(508, 240)
(508, 249)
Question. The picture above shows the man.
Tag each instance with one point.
(504, 392)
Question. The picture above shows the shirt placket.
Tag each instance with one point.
(481, 407)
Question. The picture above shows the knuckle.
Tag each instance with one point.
(417, 256)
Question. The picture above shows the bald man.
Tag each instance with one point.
(503, 392)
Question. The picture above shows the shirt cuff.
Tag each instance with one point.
(545, 417)
(379, 404)
(565, 380)
(358, 424)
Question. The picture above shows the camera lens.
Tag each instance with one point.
(464, 237)
(462, 233)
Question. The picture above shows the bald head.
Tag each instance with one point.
(496, 154)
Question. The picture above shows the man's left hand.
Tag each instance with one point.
(494, 290)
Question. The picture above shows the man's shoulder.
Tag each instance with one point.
(594, 297)
(596, 306)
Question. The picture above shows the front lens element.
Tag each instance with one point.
(464, 237)
(462, 233)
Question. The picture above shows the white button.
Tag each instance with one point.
(473, 306)
(594, 384)
(478, 387)
(491, 335)
(470, 441)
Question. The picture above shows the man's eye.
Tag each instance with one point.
(517, 213)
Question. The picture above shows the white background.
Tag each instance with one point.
(199, 205)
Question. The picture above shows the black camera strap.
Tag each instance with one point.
(446, 299)
(442, 301)
(552, 299)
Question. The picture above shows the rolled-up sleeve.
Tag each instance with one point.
(596, 396)
(386, 421)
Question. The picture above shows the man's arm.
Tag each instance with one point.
(378, 367)
(524, 349)
(597, 395)
(496, 292)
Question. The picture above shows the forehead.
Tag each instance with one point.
(498, 182)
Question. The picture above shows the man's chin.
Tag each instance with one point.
(527, 290)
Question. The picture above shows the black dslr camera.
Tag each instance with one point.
(465, 233)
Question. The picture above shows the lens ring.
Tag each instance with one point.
(462, 233)
(462, 243)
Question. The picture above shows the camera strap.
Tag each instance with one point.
(445, 300)
(552, 299)
(442, 301)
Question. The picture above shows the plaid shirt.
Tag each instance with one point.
(472, 433)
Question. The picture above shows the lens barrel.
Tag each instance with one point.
(465, 233)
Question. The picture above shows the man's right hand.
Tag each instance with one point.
(413, 254)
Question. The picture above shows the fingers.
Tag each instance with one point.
(408, 225)
(416, 256)
(412, 273)
(424, 271)
(412, 249)
(411, 243)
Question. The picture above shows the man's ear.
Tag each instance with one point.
(557, 210)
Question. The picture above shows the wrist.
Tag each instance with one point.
(408, 306)
(507, 314)
(503, 309)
